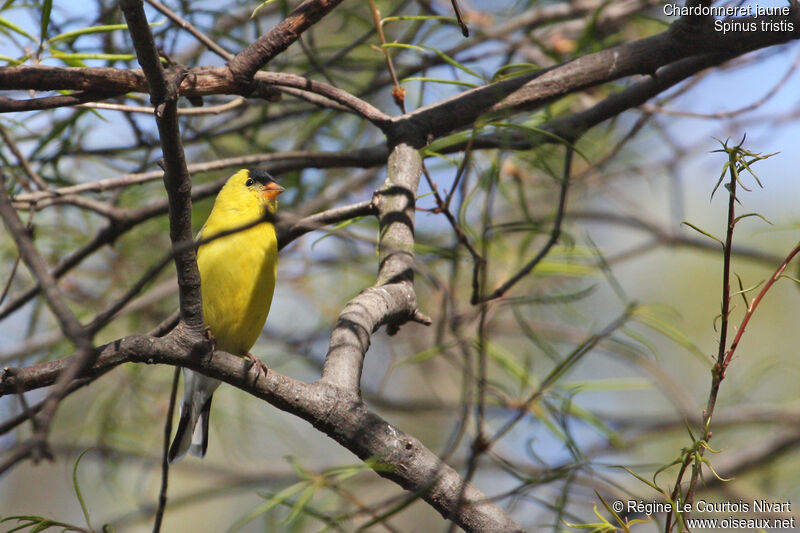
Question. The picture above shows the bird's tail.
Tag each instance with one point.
(192, 433)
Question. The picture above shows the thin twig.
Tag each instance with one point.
(162, 495)
(22, 160)
(461, 23)
(164, 96)
(398, 92)
(554, 236)
(186, 25)
(68, 323)
(211, 110)
(29, 227)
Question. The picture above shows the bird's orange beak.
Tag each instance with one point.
(271, 190)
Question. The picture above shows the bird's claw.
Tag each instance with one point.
(261, 368)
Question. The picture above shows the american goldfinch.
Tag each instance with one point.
(237, 279)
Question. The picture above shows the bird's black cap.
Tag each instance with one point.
(261, 175)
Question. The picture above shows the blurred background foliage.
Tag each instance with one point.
(625, 402)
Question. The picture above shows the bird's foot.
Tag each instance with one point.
(259, 365)
(210, 345)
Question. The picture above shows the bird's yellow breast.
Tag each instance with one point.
(237, 275)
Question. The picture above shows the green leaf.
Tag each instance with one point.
(439, 80)
(46, 9)
(438, 145)
(737, 219)
(258, 8)
(16, 29)
(643, 480)
(509, 363)
(333, 230)
(70, 62)
(77, 487)
(618, 519)
(525, 68)
(11, 61)
(440, 18)
(444, 57)
(72, 35)
(647, 315)
(300, 504)
(610, 384)
(589, 418)
(269, 504)
(532, 130)
(698, 230)
(790, 278)
(424, 355)
(56, 131)
(81, 56)
(561, 268)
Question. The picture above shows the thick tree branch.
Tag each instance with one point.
(245, 65)
(392, 300)
(345, 418)
(198, 82)
(9, 105)
(645, 56)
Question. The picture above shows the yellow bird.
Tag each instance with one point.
(237, 279)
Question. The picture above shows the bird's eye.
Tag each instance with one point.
(249, 182)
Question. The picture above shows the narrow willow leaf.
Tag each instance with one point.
(259, 7)
(335, 228)
(617, 518)
(698, 230)
(77, 487)
(45, 21)
(721, 178)
(11, 61)
(737, 219)
(72, 62)
(589, 418)
(646, 316)
(509, 363)
(708, 464)
(444, 57)
(643, 480)
(72, 35)
(277, 499)
(439, 18)
(80, 56)
(524, 68)
(424, 355)
(430, 153)
(609, 385)
(439, 80)
(56, 131)
(564, 269)
(300, 504)
(538, 131)
(16, 29)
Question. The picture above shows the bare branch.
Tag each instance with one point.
(69, 324)
(345, 418)
(183, 23)
(164, 97)
(245, 65)
(392, 299)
